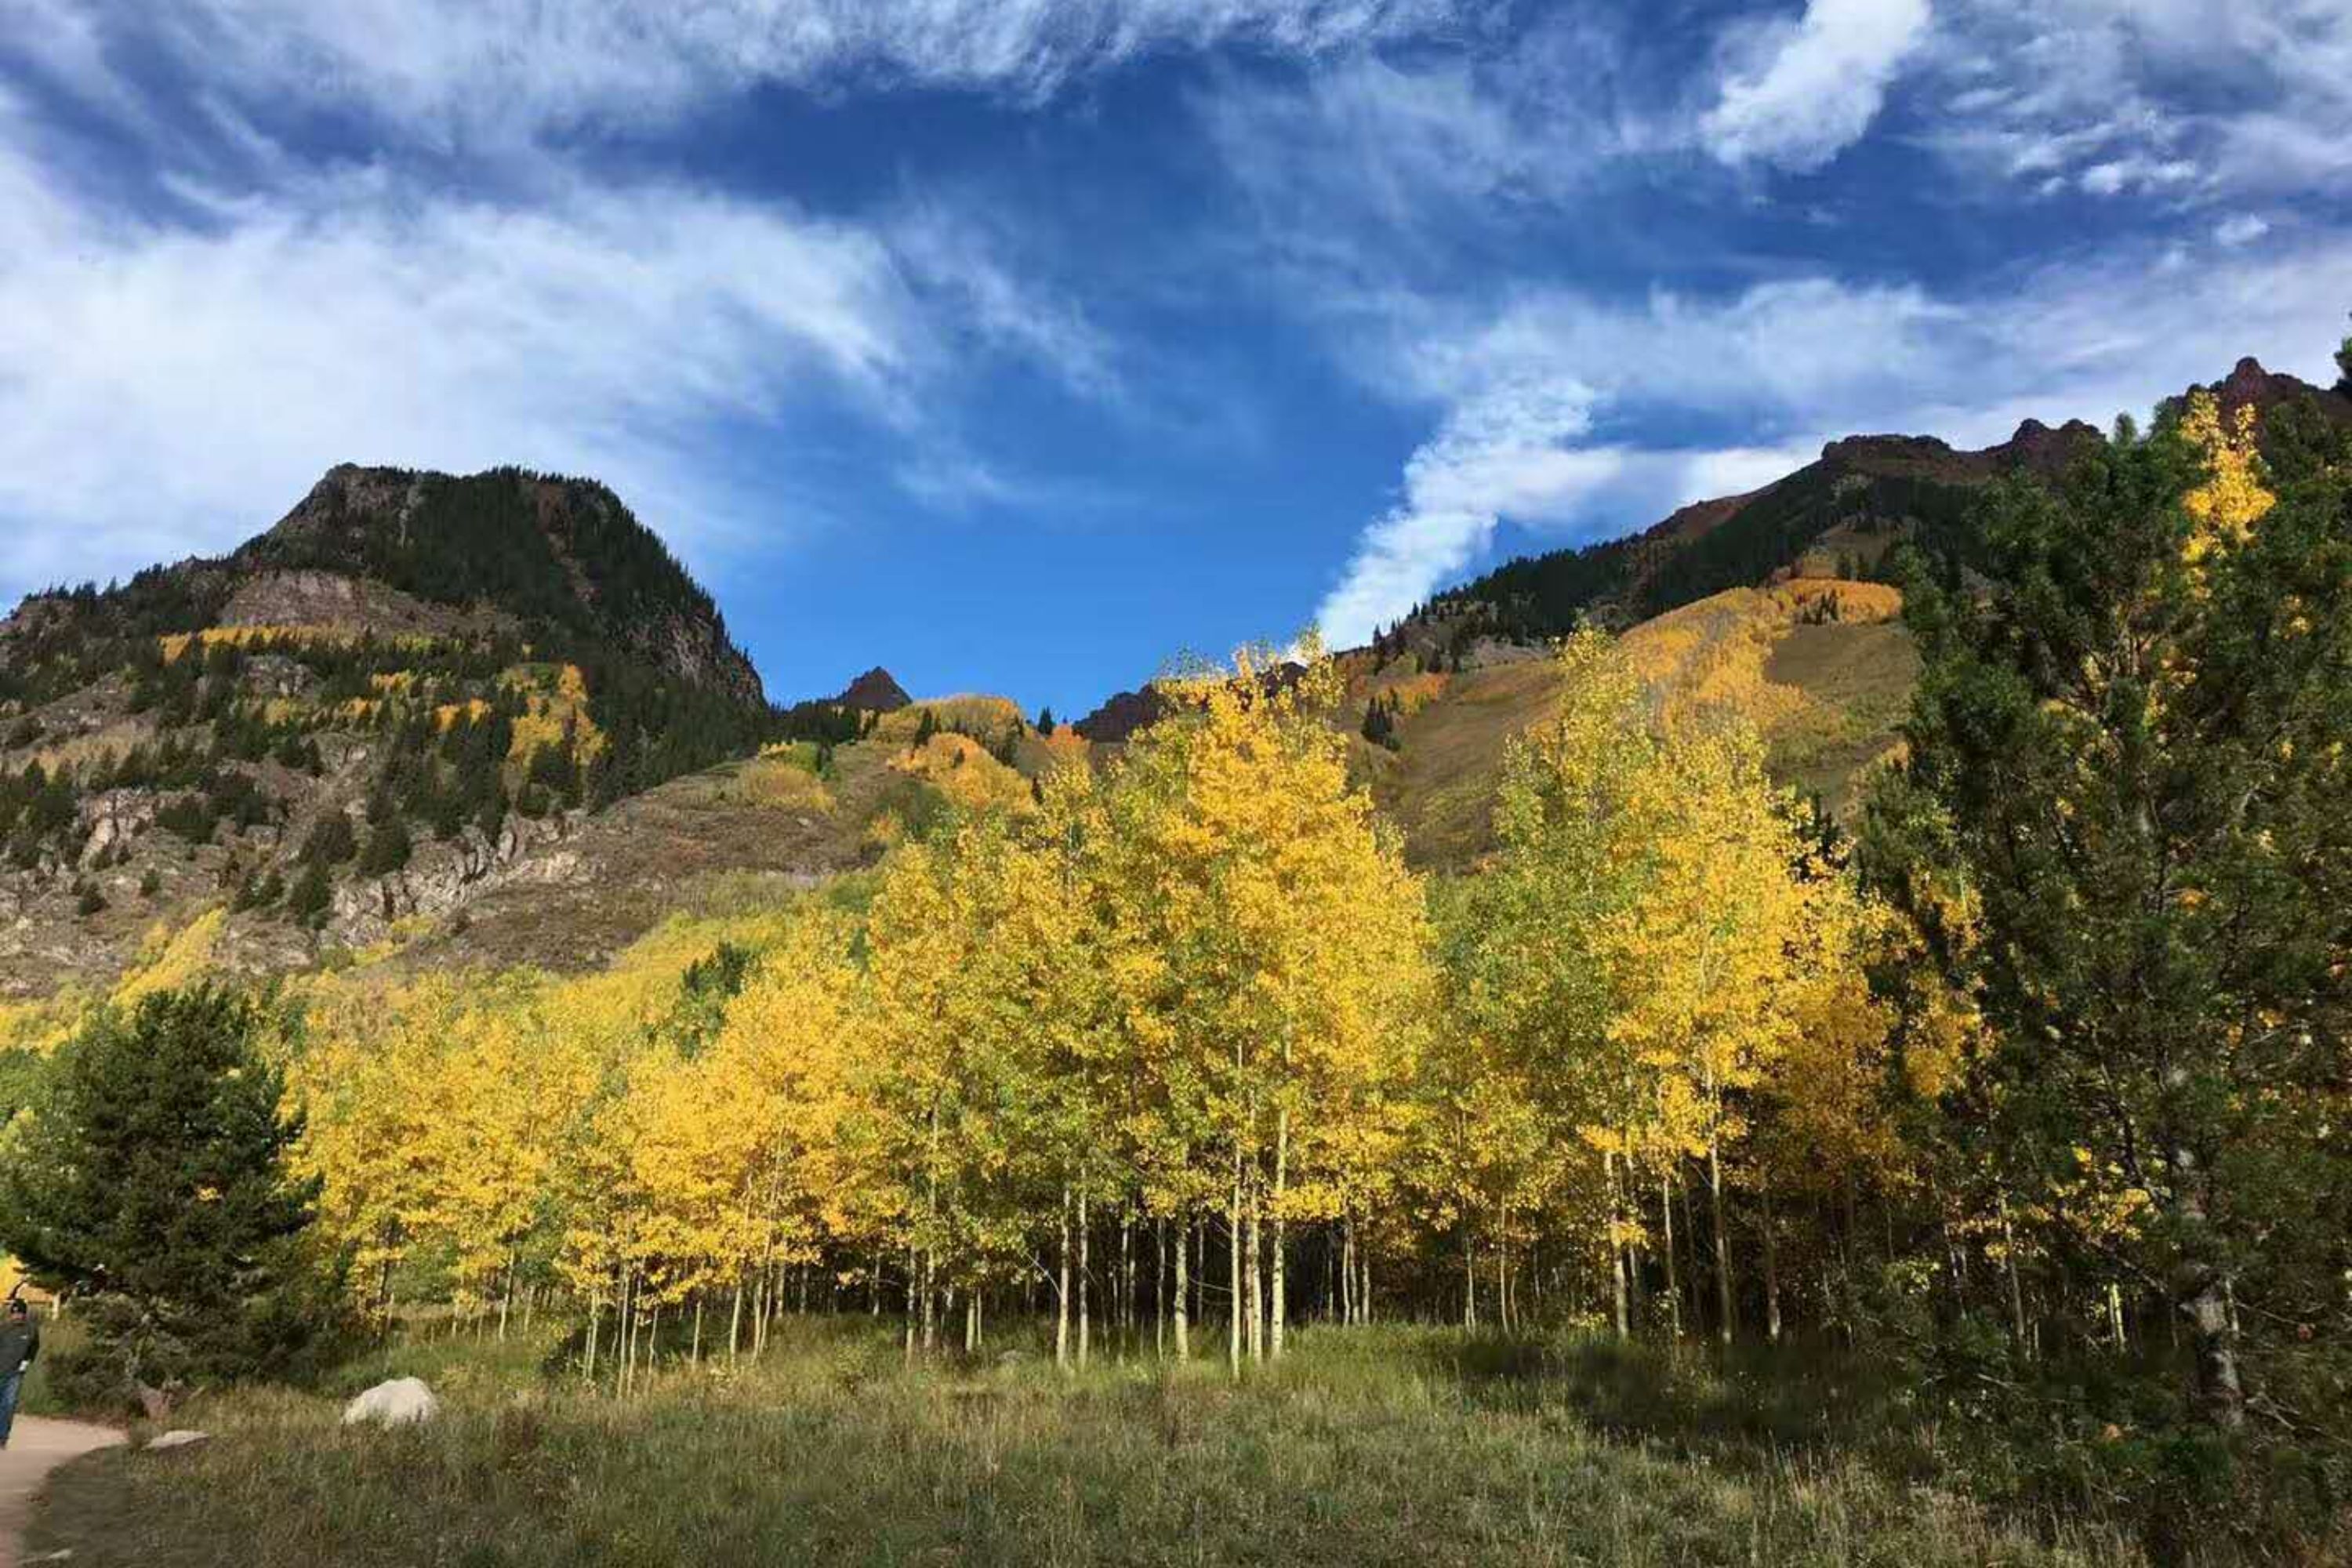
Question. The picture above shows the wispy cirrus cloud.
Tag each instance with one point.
(170, 385)
(491, 69)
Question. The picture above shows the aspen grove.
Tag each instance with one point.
(1177, 1054)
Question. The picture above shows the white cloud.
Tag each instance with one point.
(1499, 449)
(2240, 228)
(1521, 390)
(1807, 90)
(166, 389)
(465, 68)
(2149, 95)
(2117, 175)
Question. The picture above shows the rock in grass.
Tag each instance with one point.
(399, 1402)
(181, 1438)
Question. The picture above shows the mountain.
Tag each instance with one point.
(444, 721)
(403, 687)
(876, 691)
(1851, 505)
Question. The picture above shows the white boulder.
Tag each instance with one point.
(180, 1437)
(395, 1404)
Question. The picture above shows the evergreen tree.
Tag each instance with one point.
(2123, 818)
(387, 850)
(311, 895)
(150, 1180)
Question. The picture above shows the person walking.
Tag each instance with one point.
(20, 1342)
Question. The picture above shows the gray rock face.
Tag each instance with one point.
(114, 817)
(441, 876)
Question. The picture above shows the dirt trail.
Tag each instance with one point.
(37, 1447)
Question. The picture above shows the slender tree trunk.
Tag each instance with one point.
(1674, 1282)
(735, 1324)
(1772, 1268)
(1346, 1272)
(596, 1311)
(2016, 1287)
(506, 1296)
(1723, 1324)
(1469, 1277)
(1083, 1279)
(1616, 1245)
(1160, 1287)
(1234, 1256)
(1183, 1290)
(696, 1354)
(1254, 1264)
(1280, 1311)
(1062, 1293)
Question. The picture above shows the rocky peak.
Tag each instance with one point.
(876, 691)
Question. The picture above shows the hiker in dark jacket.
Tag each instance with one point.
(20, 1342)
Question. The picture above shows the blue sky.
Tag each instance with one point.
(1021, 344)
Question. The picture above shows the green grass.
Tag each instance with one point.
(1365, 1446)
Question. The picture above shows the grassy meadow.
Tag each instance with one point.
(1379, 1445)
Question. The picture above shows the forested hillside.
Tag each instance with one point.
(398, 691)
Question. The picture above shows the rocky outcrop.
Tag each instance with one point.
(876, 691)
(115, 818)
(442, 875)
(318, 598)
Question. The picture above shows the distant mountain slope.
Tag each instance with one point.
(402, 688)
(1849, 505)
(1821, 665)
(1862, 493)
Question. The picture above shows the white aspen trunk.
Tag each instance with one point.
(1062, 1293)
(1160, 1287)
(596, 1311)
(2016, 1288)
(1725, 1325)
(1280, 1311)
(735, 1324)
(695, 1356)
(1234, 1258)
(1616, 1245)
(1348, 1271)
(1673, 1284)
(1084, 1340)
(1469, 1277)
(1771, 1268)
(506, 1297)
(1182, 1297)
(1254, 1264)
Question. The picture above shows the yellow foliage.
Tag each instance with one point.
(962, 769)
(169, 960)
(2233, 498)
